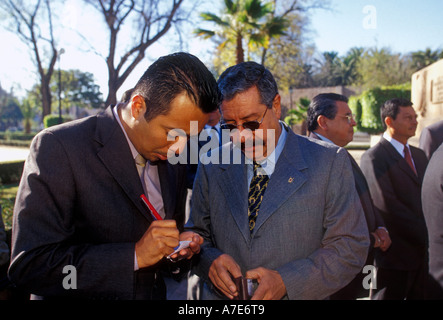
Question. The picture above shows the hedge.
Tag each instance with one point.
(52, 120)
(366, 106)
(11, 171)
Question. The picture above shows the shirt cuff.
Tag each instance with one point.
(135, 261)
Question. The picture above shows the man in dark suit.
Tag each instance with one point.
(395, 180)
(273, 206)
(431, 138)
(432, 199)
(330, 119)
(80, 228)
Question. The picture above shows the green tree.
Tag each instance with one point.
(346, 68)
(10, 113)
(33, 23)
(243, 21)
(381, 67)
(329, 66)
(78, 88)
(422, 59)
(27, 109)
(288, 58)
(299, 114)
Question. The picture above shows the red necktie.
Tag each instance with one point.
(408, 159)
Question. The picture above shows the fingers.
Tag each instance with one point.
(158, 241)
(377, 241)
(194, 246)
(221, 273)
(385, 239)
(271, 285)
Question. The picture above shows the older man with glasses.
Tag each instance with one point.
(330, 119)
(285, 222)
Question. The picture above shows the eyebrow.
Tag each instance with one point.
(242, 118)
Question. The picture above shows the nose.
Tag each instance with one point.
(242, 135)
(177, 146)
(353, 122)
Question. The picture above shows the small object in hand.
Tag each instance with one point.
(181, 246)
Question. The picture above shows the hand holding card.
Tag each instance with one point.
(181, 246)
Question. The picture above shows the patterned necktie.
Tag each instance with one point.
(408, 159)
(141, 163)
(257, 190)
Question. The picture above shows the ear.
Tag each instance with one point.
(276, 106)
(388, 121)
(138, 106)
(322, 122)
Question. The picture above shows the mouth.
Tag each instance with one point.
(160, 156)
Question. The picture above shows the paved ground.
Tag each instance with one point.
(13, 153)
(357, 154)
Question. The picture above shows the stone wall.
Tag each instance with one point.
(290, 99)
(427, 95)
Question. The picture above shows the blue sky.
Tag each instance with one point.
(401, 25)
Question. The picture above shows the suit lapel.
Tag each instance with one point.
(420, 165)
(116, 157)
(234, 180)
(287, 178)
(285, 181)
(401, 162)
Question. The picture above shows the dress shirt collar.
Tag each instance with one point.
(396, 144)
(131, 146)
(268, 164)
(324, 138)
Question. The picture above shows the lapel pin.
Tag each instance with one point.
(291, 179)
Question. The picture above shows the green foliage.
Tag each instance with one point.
(366, 107)
(11, 171)
(355, 106)
(299, 114)
(17, 139)
(52, 120)
(244, 22)
(8, 194)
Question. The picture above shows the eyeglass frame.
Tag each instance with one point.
(223, 125)
(348, 117)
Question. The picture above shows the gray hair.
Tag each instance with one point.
(245, 75)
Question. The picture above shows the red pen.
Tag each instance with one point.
(151, 208)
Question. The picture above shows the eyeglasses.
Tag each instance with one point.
(251, 125)
(350, 118)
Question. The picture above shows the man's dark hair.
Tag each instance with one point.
(245, 75)
(126, 96)
(391, 108)
(325, 105)
(172, 75)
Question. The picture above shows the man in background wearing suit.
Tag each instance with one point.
(394, 171)
(279, 209)
(431, 138)
(79, 206)
(432, 199)
(330, 119)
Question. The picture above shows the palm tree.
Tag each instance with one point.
(421, 59)
(347, 67)
(241, 20)
(275, 26)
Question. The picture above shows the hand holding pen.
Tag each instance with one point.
(162, 238)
